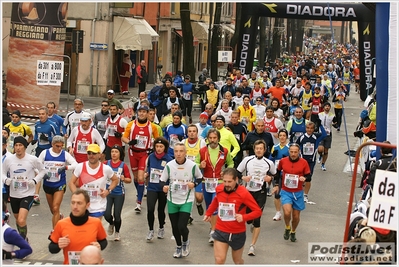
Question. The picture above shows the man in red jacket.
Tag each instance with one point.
(231, 201)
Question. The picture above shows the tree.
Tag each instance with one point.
(188, 48)
(215, 42)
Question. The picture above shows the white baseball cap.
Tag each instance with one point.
(85, 116)
(111, 92)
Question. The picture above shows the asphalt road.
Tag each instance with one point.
(321, 222)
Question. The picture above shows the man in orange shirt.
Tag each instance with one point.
(78, 230)
(277, 92)
(139, 134)
(356, 73)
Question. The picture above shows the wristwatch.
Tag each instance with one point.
(109, 190)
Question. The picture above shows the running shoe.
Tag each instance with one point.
(138, 208)
(292, 237)
(190, 221)
(277, 217)
(323, 167)
(117, 236)
(177, 253)
(211, 240)
(110, 229)
(185, 248)
(251, 251)
(150, 235)
(287, 234)
(161, 233)
(36, 200)
(200, 209)
(305, 198)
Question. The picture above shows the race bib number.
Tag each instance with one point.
(101, 126)
(256, 182)
(296, 136)
(192, 158)
(306, 101)
(308, 149)
(187, 96)
(155, 174)
(82, 146)
(112, 129)
(173, 140)
(227, 211)
(180, 187)
(245, 120)
(20, 183)
(141, 141)
(315, 109)
(74, 257)
(291, 180)
(74, 123)
(93, 191)
(52, 172)
(211, 184)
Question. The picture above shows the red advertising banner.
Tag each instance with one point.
(36, 28)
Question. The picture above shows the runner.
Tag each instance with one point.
(54, 117)
(115, 126)
(72, 119)
(292, 172)
(156, 163)
(230, 225)
(17, 128)
(22, 179)
(247, 113)
(193, 145)
(308, 142)
(92, 176)
(278, 152)
(211, 159)
(55, 161)
(183, 176)
(272, 124)
(297, 125)
(327, 119)
(258, 176)
(82, 136)
(78, 230)
(175, 132)
(100, 117)
(117, 196)
(138, 134)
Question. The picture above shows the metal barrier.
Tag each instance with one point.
(353, 186)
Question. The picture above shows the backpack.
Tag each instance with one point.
(153, 96)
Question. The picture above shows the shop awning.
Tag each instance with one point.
(200, 30)
(133, 34)
(229, 28)
(195, 39)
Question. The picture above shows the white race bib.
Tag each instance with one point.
(82, 146)
(20, 183)
(308, 149)
(112, 129)
(141, 141)
(74, 123)
(179, 187)
(186, 96)
(256, 182)
(227, 211)
(315, 109)
(173, 141)
(155, 174)
(101, 126)
(73, 257)
(291, 180)
(93, 191)
(211, 184)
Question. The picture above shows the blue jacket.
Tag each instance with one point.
(48, 129)
(174, 133)
(178, 81)
(187, 87)
(154, 168)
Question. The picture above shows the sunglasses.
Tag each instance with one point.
(91, 153)
(213, 121)
(104, 105)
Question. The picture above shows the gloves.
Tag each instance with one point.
(7, 181)
(31, 183)
(33, 142)
(133, 142)
(180, 137)
(7, 255)
(274, 154)
(43, 137)
(61, 170)
(116, 134)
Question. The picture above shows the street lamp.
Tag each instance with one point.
(69, 72)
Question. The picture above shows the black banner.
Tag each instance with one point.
(311, 11)
(366, 58)
(39, 21)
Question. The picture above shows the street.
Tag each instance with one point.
(322, 222)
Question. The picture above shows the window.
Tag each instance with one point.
(172, 8)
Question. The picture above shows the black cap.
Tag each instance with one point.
(21, 140)
(220, 118)
(7, 130)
